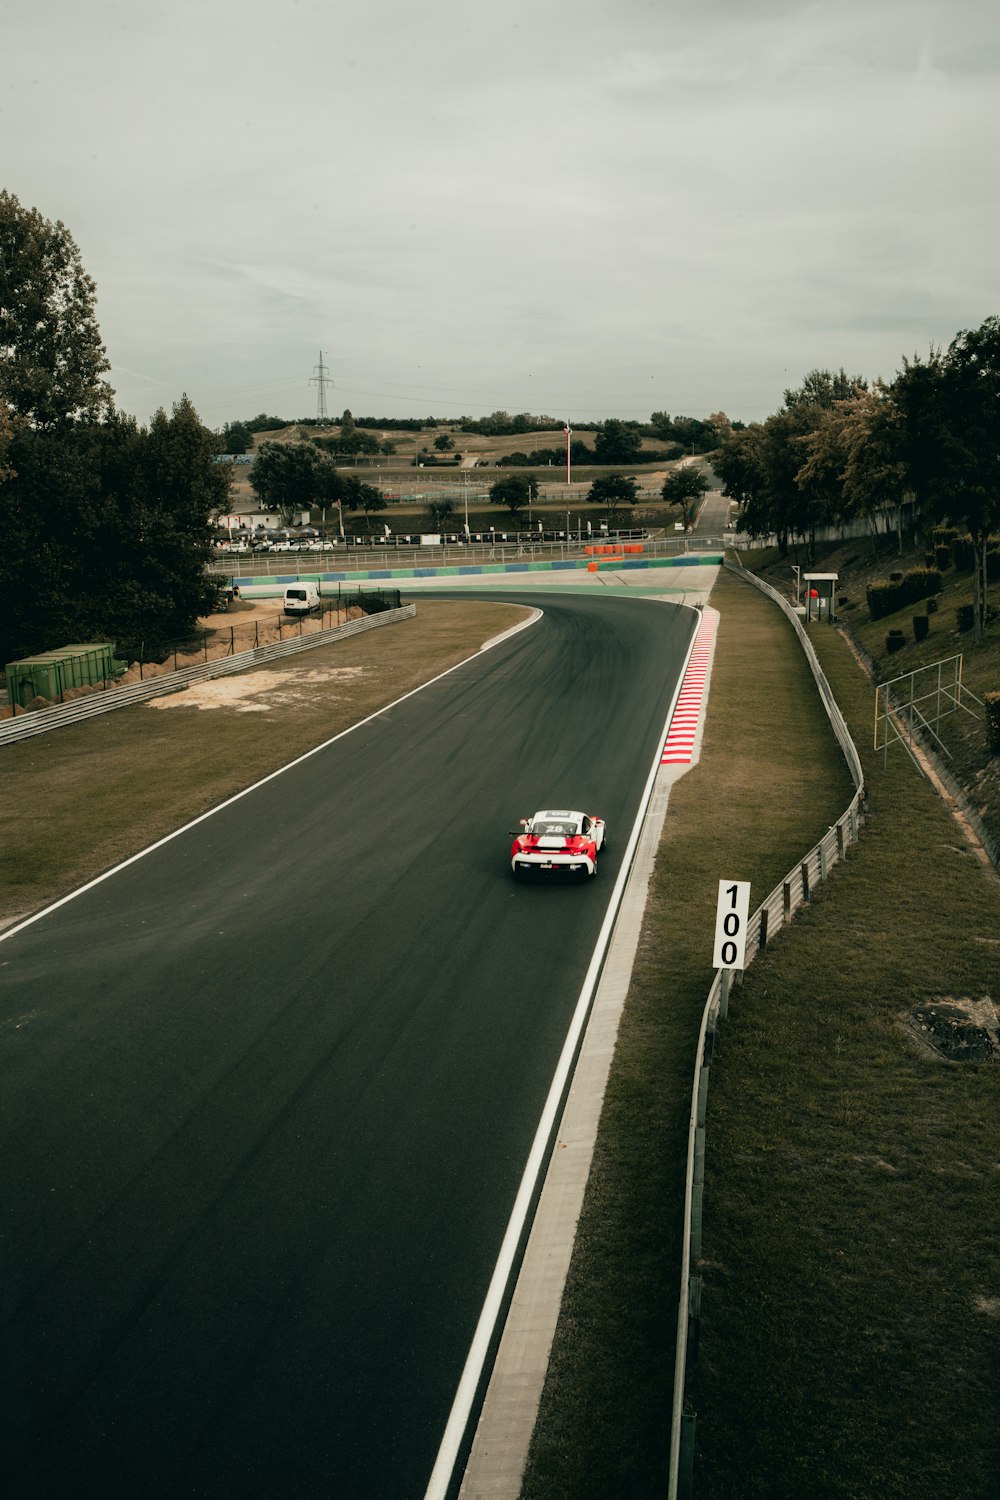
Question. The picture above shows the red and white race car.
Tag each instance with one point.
(557, 840)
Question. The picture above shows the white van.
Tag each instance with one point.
(301, 598)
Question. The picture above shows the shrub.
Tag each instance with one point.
(963, 552)
(930, 558)
(894, 641)
(881, 599)
(993, 564)
(940, 557)
(902, 588)
(992, 701)
(966, 617)
(921, 627)
(932, 605)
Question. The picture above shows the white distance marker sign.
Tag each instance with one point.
(731, 924)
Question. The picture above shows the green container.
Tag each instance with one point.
(50, 673)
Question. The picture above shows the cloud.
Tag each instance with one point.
(550, 205)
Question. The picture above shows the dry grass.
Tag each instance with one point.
(77, 800)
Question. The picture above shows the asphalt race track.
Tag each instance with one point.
(269, 1090)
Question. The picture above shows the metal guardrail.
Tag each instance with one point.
(764, 925)
(59, 715)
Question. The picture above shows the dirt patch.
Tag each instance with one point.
(267, 690)
(959, 1029)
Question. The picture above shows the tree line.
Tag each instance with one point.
(104, 524)
(840, 449)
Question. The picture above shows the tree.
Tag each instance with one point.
(106, 532)
(617, 442)
(612, 490)
(237, 437)
(855, 455)
(289, 477)
(354, 494)
(443, 443)
(684, 487)
(951, 404)
(52, 359)
(7, 429)
(514, 492)
(440, 514)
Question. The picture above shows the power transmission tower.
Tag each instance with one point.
(322, 380)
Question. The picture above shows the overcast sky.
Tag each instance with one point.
(582, 208)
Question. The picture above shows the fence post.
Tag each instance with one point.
(762, 939)
(805, 880)
(822, 861)
(787, 898)
(840, 840)
(724, 984)
(697, 1191)
(685, 1468)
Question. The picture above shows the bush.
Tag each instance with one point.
(921, 627)
(930, 558)
(966, 617)
(963, 552)
(992, 701)
(940, 557)
(902, 588)
(932, 605)
(894, 641)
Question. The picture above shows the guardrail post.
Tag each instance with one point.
(787, 900)
(840, 840)
(724, 983)
(694, 1319)
(685, 1468)
(702, 1096)
(762, 939)
(822, 861)
(805, 880)
(697, 1191)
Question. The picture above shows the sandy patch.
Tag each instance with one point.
(262, 691)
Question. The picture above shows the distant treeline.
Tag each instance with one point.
(691, 434)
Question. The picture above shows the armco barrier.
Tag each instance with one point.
(57, 717)
(765, 924)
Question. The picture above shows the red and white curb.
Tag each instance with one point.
(683, 741)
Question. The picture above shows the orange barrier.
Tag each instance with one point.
(615, 549)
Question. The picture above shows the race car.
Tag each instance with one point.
(556, 840)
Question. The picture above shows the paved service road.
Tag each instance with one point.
(270, 1090)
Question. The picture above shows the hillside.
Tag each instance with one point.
(966, 750)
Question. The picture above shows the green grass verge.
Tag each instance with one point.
(770, 781)
(852, 1272)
